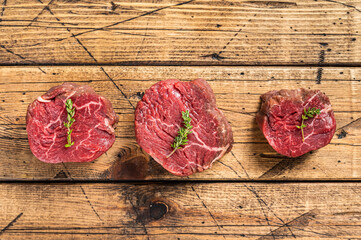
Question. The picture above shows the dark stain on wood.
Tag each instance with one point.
(320, 69)
(321, 57)
(3, 9)
(154, 209)
(123, 152)
(61, 174)
(133, 168)
(270, 4)
(148, 205)
(214, 56)
(131, 164)
(156, 169)
(157, 210)
(342, 134)
(138, 95)
(114, 6)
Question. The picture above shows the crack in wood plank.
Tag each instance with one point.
(261, 201)
(92, 57)
(205, 206)
(262, 209)
(350, 123)
(39, 14)
(20, 56)
(301, 221)
(283, 165)
(343, 4)
(225, 46)
(129, 19)
(11, 52)
(82, 190)
(10, 223)
(229, 168)
(91, 205)
(270, 4)
(217, 56)
(141, 44)
(240, 164)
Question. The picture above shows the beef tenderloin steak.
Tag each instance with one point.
(158, 117)
(93, 129)
(281, 113)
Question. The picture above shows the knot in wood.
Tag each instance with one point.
(157, 210)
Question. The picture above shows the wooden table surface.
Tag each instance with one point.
(243, 49)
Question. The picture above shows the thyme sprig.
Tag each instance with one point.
(182, 137)
(310, 113)
(71, 112)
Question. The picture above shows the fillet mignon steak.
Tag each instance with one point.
(280, 113)
(93, 132)
(158, 117)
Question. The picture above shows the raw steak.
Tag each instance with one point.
(158, 118)
(280, 113)
(93, 132)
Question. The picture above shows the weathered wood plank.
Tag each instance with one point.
(180, 32)
(181, 211)
(237, 91)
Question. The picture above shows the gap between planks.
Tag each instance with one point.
(181, 64)
(177, 181)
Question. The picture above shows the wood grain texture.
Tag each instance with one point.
(180, 32)
(237, 90)
(181, 211)
(185, 33)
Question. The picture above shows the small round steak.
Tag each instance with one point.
(92, 131)
(281, 112)
(158, 118)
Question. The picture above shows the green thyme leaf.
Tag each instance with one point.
(310, 113)
(182, 137)
(71, 112)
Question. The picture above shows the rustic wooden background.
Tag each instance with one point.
(243, 49)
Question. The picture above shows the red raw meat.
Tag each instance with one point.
(158, 118)
(93, 129)
(280, 113)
